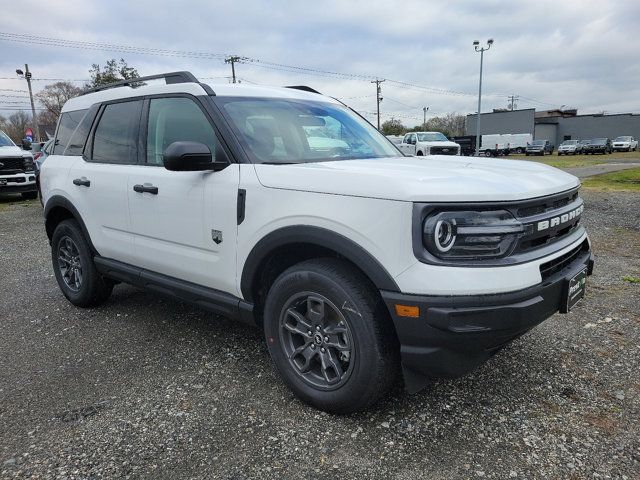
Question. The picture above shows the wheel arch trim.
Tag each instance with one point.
(58, 201)
(317, 236)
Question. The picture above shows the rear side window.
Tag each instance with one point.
(69, 122)
(116, 136)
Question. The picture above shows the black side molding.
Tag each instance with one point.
(207, 298)
(242, 197)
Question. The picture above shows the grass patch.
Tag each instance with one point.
(631, 279)
(573, 161)
(624, 180)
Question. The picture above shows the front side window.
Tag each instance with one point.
(176, 119)
(116, 136)
(273, 130)
(5, 141)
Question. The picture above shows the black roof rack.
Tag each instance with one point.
(303, 88)
(171, 77)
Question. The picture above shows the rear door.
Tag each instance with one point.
(186, 227)
(99, 178)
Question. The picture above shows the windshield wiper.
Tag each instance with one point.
(279, 163)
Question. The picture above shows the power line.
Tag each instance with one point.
(57, 42)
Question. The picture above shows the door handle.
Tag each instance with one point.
(145, 189)
(82, 182)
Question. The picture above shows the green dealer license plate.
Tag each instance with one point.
(575, 289)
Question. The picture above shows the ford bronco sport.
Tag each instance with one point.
(285, 209)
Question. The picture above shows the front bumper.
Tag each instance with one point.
(454, 334)
(18, 183)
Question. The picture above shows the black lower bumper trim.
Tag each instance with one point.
(18, 188)
(455, 334)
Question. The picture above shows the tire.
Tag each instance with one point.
(519, 151)
(419, 154)
(69, 247)
(487, 153)
(29, 195)
(292, 322)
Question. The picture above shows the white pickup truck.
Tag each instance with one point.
(428, 143)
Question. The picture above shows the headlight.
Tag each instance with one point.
(471, 234)
(28, 164)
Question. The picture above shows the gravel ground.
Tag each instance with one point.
(147, 388)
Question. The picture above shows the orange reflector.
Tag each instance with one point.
(407, 311)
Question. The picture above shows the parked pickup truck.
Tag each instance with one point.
(428, 143)
(358, 263)
(17, 173)
(539, 147)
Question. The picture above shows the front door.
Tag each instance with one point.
(184, 224)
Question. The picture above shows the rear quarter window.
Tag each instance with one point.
(67, 125)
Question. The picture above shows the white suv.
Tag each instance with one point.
(285, 209)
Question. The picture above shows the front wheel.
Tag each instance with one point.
(74, 269)
(330, 336)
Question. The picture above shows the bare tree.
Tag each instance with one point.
(393, 127)
(55, 95)
(16, 125)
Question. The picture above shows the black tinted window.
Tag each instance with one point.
(67, 124)
(79, 137)
(116, 136)
(176, 119)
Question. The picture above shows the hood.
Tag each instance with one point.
(434, 178)
(13, 151)
(440, 144)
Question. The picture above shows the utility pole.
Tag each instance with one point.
(424, 111)
(512, 105)
(476, 45)
(232, 60)
(27, 75)
(378, 97)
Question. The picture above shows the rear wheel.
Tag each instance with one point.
(419, 154)
(74, 269)
(330, 336)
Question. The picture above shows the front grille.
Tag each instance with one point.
(551, 267)
(16, 180)
(11, 165)
(443, 150)
(558, 212)
(547, 204)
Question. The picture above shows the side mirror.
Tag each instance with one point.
(193, 157)
(26, 144)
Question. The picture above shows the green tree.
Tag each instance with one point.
(393, 127)
(113, 71)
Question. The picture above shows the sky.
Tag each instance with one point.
(571, 53)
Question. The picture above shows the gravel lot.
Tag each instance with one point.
(144, 387)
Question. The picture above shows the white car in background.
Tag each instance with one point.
(17, 173)
(428, 143)
(626, 143)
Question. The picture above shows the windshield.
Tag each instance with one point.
(5, 141)
(585, 142)
(599, 140)
(570, 142)
(538, 143)
(623, 139)
(277, 130)
(432, 137)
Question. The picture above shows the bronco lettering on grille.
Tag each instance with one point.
(559, 220)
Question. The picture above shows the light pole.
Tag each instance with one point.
(378, 98)
(424, 111)
(27, 75)
(478, 48)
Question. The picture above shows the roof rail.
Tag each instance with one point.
(171, 77)
(304, 88)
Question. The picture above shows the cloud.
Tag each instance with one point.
(575, 53)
